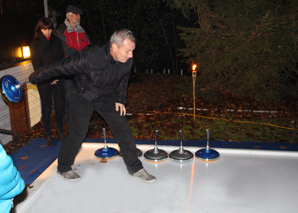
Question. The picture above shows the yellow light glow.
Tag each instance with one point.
(19, 53)
(26, 51)
(194, 67)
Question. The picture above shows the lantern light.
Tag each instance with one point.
(26, 52)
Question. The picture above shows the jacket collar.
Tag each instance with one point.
(78, 29)
(109, 57)
(42, 37)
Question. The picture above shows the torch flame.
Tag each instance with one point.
(194, 67)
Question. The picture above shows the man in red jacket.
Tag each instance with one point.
(74, 39)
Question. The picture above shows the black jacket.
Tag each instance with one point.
(44, 52)
(98, 77)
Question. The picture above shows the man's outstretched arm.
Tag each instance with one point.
(75, 64)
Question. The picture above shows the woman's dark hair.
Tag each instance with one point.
(43, 23)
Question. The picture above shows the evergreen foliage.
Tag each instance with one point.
(247, 47)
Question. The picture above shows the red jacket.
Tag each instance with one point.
(73, 40)
(76, 40)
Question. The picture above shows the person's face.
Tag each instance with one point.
(123, 52)
(74, 19)
(46, 32)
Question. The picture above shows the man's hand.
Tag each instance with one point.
(32, 78)
(54, 82)
(122, 109)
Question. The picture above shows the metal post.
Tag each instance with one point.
(45, 6)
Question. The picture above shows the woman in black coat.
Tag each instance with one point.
(47, 48)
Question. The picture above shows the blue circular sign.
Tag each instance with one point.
(11, 89)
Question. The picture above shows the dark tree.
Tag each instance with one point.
(246, 47)
(152, 22)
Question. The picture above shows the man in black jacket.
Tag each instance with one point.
(101, 78)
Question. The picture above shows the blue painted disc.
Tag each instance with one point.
(207, 154)
(106, 152)
(11, 89)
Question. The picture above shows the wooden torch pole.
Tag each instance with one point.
(194, 77)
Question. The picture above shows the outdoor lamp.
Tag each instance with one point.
(25, 52)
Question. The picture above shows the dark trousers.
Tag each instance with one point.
(48, 93)
(68, 89)
(80, 114)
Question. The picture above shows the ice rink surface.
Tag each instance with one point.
(239, 181)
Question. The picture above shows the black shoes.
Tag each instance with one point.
(49, 140)
(60, 135)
